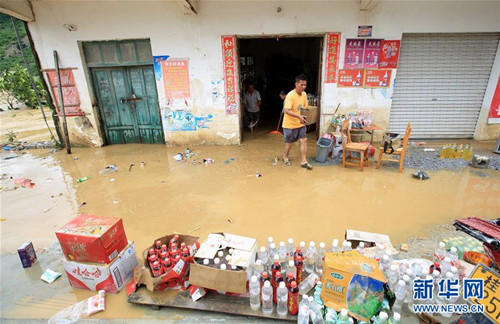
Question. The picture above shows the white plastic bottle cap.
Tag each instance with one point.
(220, 254)
(447, 259)
(396, 316)
(262, 249)
(276, 257)
(311, 299)
(343, 312)
(223, 266)
(435, 273)
(406, 278)
(388, 253)
(302, 244)
(335, 242)
(383, 316)
(282, 244)
(272, 246)
(394, 267)
(270, 239)
(409, 273)
(254, 279)
(312, 244)
(282, 284)
(291, 264)
(216, 260)
(349, 244)
(453, 249)
(386, 258)
(258, 262)
(442, 245)
(267, 283)
(290, 241)
(231, 251)
(322, 245)
(233, 267)
(319, 283)
(228, 257)
(361, 244)
(454, 269)
(449, 275)
(205, 261)
(401, 282)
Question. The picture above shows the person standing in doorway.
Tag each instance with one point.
(294, 127)
(252, 101)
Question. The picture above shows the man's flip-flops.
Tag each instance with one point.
(287, 161)
(307, 166)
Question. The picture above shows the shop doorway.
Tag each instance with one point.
(272, 64)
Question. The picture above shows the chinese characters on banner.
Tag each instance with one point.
(175, 74)
(372, 52)
(378, 78)
(229, 65)
(494, 115)
(351, 78)
(389, 54)
(332, 56)
(69, 92)
(353, 58)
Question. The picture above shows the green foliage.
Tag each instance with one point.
(11, 136)
(9, 47)
(16, 83)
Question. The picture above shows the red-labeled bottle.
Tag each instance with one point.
(263, 277)
(275, 283)
(166, 265)
(158, 247)
(156, 269)
(435, 266)
(298, 252)
(183, 246)
(177, 258)
(164, 248)
(174, 253)
(289, 278)
(293, 299)
(175, 239)
(299, 265)
(185, 255)
(173, 246)
(151, 259)
(151, 252)
(164, 255)
(275, 267)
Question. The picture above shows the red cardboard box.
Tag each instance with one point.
(108, 277)
(92, 238)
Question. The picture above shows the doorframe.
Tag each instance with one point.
(322, 39)
(87, 70)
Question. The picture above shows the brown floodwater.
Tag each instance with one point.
(166, 196)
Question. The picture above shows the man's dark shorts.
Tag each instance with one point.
(294, 134)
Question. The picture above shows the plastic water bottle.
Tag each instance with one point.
(302, 246)
(303, 317)
(346, 246)
(308, 283)
(311, 257)
(445, 264)
(267, 298)
(395, 319)
(291, 268)
(282, 305)
(290, 248)
(264, 258)
(343, 317)
(392, 276)
(361, 248)
(272, 251)
(330, 316)
(407, 281)
(454, 271)
(335, 246)
(382, 318)
(269, 241)
(400, 292)
(385, 263)
(258, 268)
(453, 256)
(282, 254)
(254, 293)
(315, 312)
(380, 252)
(440, 252)
(320, 260)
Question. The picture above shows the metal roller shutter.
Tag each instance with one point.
(440, 83)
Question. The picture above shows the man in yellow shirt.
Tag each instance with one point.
(294, 127)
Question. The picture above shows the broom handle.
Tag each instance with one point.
(279, 122)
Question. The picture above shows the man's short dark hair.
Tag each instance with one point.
(300, 77)
(282, 93)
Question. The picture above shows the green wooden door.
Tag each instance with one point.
(128, 104)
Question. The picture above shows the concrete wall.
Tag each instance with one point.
(198, 38)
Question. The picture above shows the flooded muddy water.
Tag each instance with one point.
(165, 196)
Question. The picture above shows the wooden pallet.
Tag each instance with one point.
(211, 302)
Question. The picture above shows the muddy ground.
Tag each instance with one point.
(164, 196)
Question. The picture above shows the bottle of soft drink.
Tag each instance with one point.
(308, 283)
(440, 252)
(454, 271)
(299, 265)
(361, 248)
(400, 292)
(282, 298)
(166, 265)
(379, 252)
(158, 247)
(436, 266)
(453, 256)
(264, 258)
(156, 269)
(282, 254)
(302, 245)
(445, 265)
(320, 260)
(254, 289)
(392, 276)
(257, 268)
(289, 278)
(382, 318)
(298, 252)
(331, 316)
(263, 278)
(277, 279)
(272, 251)
(335, 246)
(269, 241)
(343, 317)
(293, 299)
(459, 152)
(290, 248)
(267, 298)
(315, 312)
(311, 257)
(291, 268)
(385, 263)
(442, 152)
(275, 267)
(303, 317)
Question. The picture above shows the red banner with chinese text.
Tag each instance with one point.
(69, 91)
(230, 80)
(332, 56)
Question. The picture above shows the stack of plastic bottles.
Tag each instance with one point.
(456, 152)
(357, 120)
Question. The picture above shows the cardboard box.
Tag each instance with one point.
(92, 238)
(175, 278)
(354, 282)
(359, 236)
(311, 113)
(27, 254)
(108, 277)
(231, 281)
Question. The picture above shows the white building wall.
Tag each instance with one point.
(197, 37)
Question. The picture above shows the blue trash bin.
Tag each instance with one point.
(322, 148)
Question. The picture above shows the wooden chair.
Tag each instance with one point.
(399, 152)
(348, 146)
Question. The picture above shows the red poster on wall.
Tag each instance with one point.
(176, 78)
(378, 78)
(371, 53)
(494, 115)
(353, 58)
(389, 54)
(229, 66)
(351, 78)
(332, 56)
(69, 91)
